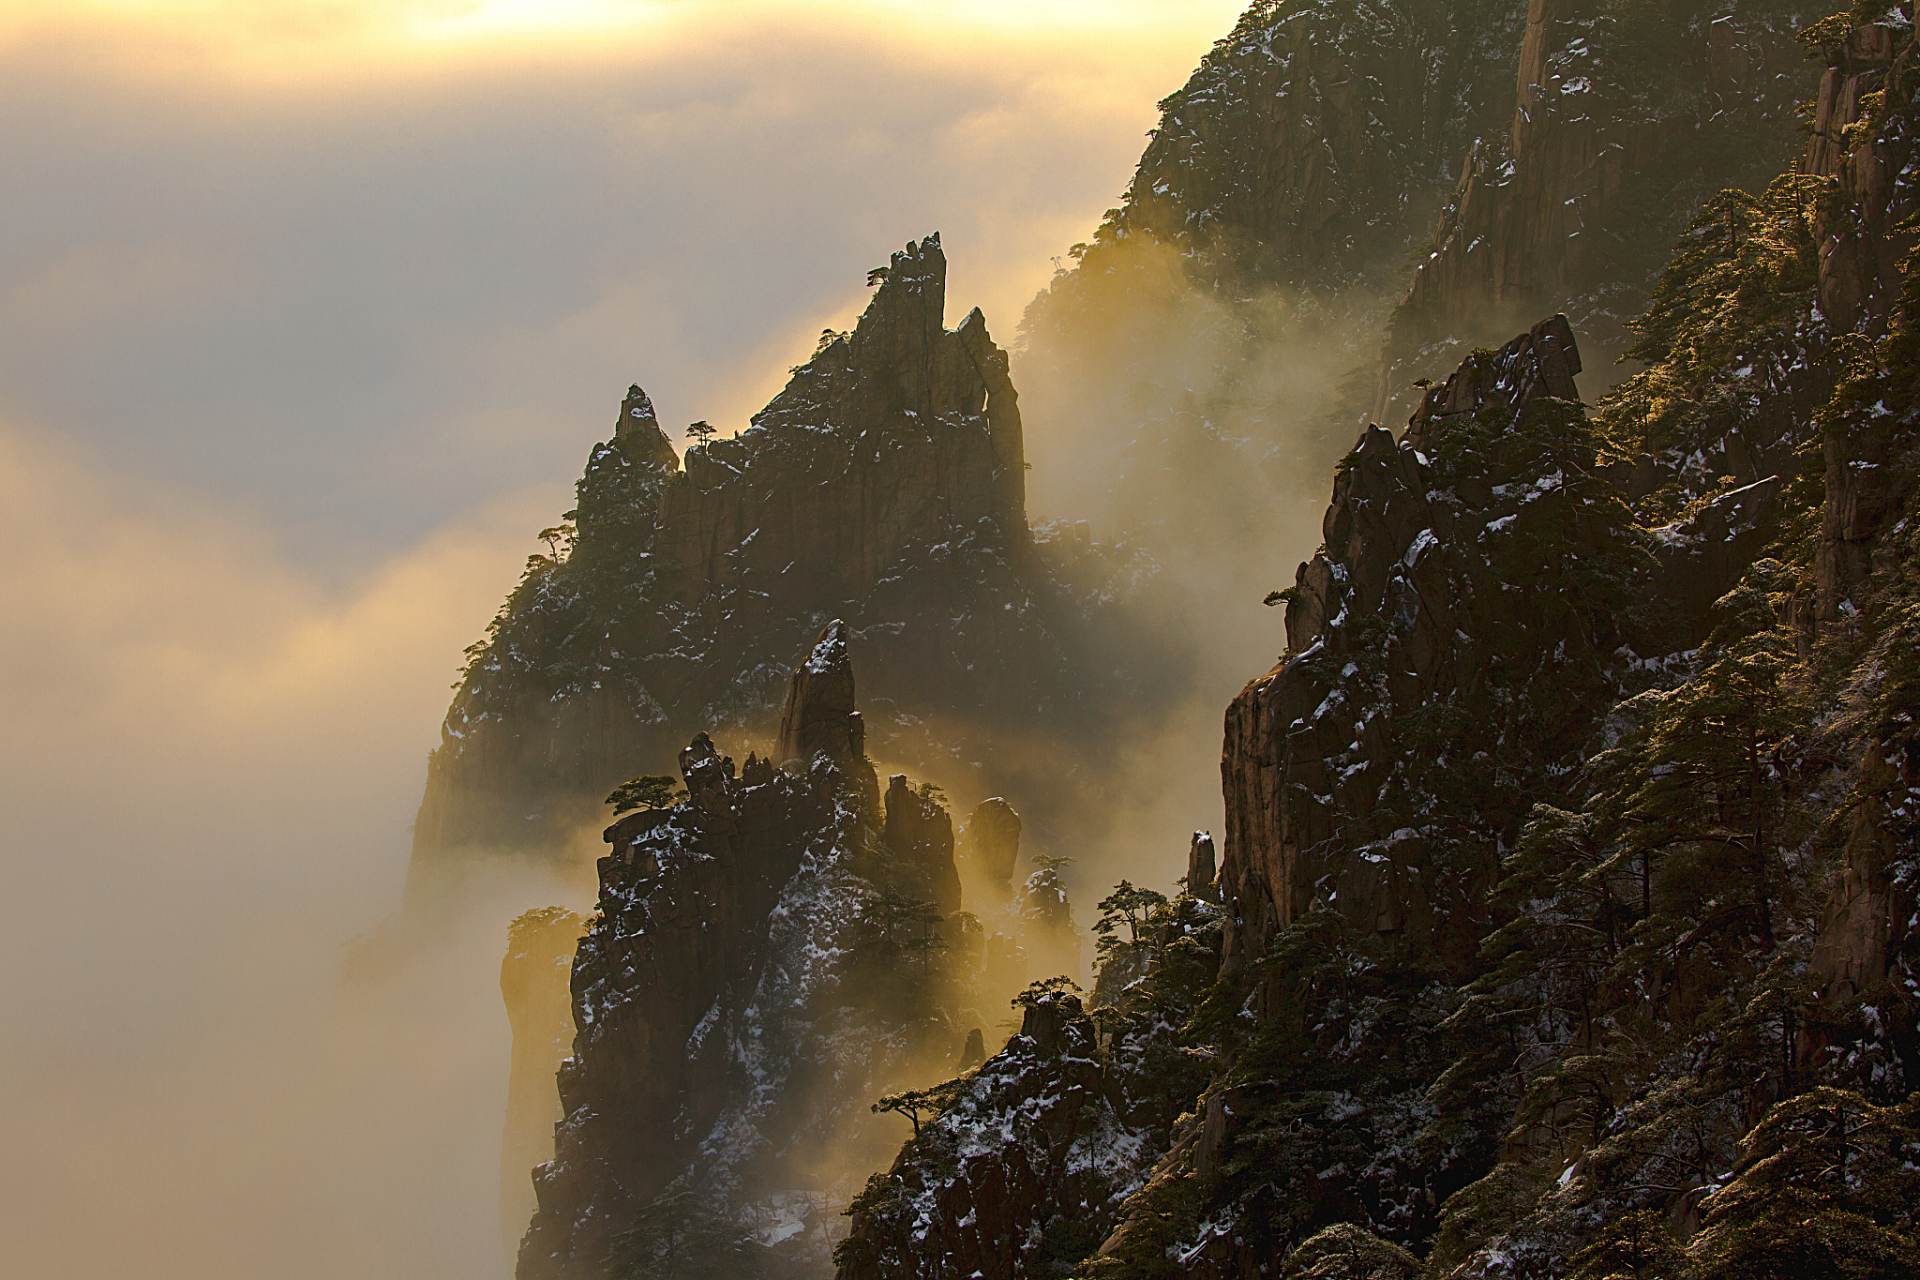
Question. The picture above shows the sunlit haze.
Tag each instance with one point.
(309, 313)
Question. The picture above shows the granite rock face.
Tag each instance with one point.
(729, 1029)
(639, 435)
(1623, 123)
(1862, 237)
(919, 835)
(992, 844)
(1202, 868)
(884, 486)
(1469, 604)
(1313, 145)
(1864, 144)
(820, 718)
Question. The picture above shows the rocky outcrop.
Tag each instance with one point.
(991, 847)
(639, 436)
(1312, 145)
(1201, 870)
(1623, 124)
(533, 985)
(1028, 1160)
(1863, 235)
(727, 1036)
(819, 718)
(685, 900)
(884, 486)
(998, 1193)
(1457, 637)
(919, 839)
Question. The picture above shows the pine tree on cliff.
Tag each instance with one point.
(1702, 776)
(1129, 905)
(649, 791)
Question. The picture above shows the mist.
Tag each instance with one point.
(208, 771)
(305, 328)
(1199, 426)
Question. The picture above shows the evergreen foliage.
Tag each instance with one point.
(649, 791)
(1645, 1071)
(684, 1234)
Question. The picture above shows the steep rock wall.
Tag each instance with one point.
(1625, 121)
(1316, 141)
(1448, 654)
(1863, 235)
(728, 1037)
(884, 485)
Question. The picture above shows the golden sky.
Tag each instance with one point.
(294, 43)
(441, 237)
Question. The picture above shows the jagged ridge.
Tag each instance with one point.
(884, 485)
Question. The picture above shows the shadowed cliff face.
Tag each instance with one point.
(1483, 597)
(771, 956)
(1569, 868)
(1627, 120)
(728, 1039)
(885, 485)
(1182, 368)
(1469, 606)
(1313, 144)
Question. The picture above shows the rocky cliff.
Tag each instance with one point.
(884, 485)
(1625, 121)
(1450, 654)
(1342, 202)
(1568, 876)
(764, 963)
(1186, 357)
(1316, 142)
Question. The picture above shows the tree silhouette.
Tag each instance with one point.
(912, 1102)
(893, 926)
(1036, 991)
(559, 535)
(1126, 903)
(649, 791)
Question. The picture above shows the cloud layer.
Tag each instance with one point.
(361, 293)
(308, 315)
